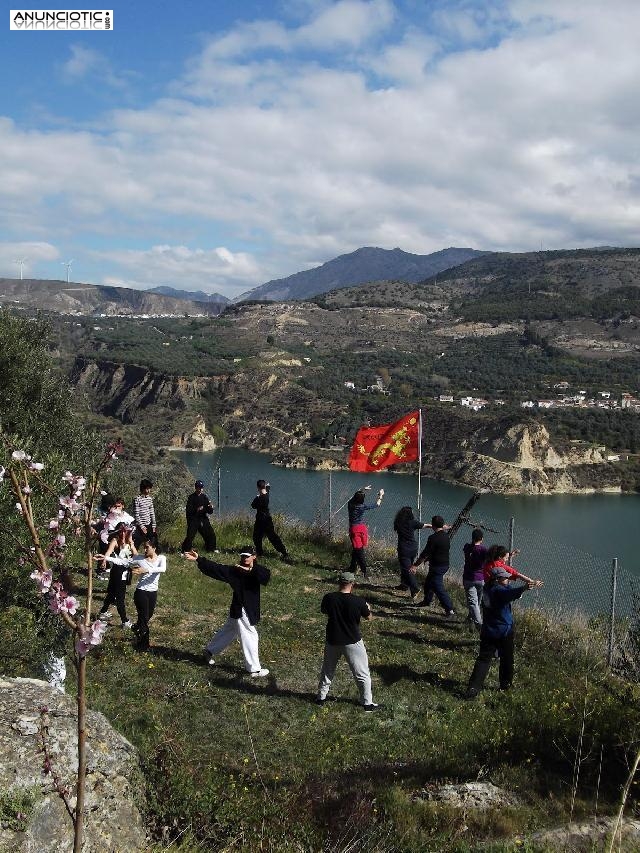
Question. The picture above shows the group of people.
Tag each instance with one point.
(487, 580)
(128, 547)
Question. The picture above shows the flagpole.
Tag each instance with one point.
(419, 471)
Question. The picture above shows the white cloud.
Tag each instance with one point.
(32, 253)
(87, 63)
(212, 270)
(295, 159)
(346, 22)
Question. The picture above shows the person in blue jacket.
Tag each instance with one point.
(496, 634)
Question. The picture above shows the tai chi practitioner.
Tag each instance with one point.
(436, 553)
(358, 530)
(245, 579)
(118, 554)
(475, 556)
(263, 525)
(148, 568)
(198, 508)
(496, 634)
(405, 525)
(344, 612)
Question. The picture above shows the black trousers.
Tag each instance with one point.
(488, 648)
(264, 527)
(145, 603)
(116, 592)
(358, 560)
(199, 524)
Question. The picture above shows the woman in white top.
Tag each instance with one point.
(148, 568)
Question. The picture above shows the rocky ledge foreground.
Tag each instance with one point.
(33, 816)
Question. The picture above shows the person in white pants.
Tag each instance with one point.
(343, 637)
(245, 579)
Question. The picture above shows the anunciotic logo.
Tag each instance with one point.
(61, 19)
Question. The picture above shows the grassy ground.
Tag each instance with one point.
(234, 763)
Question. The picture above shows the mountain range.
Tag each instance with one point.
(368, 264)
(92, 299)
(191, 295)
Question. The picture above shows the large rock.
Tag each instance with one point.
(114, 791)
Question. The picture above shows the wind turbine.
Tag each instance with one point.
(21, 262)
(67, 264)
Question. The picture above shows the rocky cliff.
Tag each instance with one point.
(522, 460)
(38, 821)
(263, 409)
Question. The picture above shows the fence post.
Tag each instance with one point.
(512, 524)
(219, 492)
(612, 616)
(330, 506)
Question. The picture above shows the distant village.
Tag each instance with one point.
(579, 400)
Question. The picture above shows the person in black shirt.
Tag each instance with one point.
(344, 612)
(263, 525)
(405, 525)
(436, 553)
(245, 579)
(199, 507)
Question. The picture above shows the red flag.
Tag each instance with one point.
(376, 448)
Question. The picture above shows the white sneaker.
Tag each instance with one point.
(104, 617)
(260, 673)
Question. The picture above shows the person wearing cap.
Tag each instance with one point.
(497, 632)
(343, 638)
(245, 580)
(199, 507)
(263, 524)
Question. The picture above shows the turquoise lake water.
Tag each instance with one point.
(568, 540)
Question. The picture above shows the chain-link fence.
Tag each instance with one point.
(599, 593)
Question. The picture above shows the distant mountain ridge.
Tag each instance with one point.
(191, 295)
(94, 299)
(365, 265)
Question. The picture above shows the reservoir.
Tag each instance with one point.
(568, 540)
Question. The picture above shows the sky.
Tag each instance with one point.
(215, 145)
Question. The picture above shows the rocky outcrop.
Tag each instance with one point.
(30, 709)
(529, 446)
(196, 438)
(520, 459)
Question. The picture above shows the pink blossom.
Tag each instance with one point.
(60, 540)
(68, 477)
(69, 504)
(89, 637)
(36, 466)
(20, 456)
(19, 508)
(53, 524)
(98, 629)
(70, 604)
(3, 471)
(43, 580)
(26, 490)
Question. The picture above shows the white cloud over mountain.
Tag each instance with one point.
(514, 126)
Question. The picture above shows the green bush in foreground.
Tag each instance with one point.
(235, 765)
